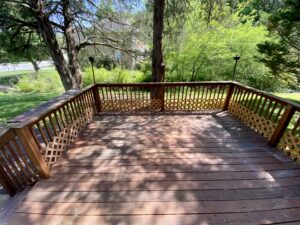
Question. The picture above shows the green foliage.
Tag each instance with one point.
(278, 57)
(43, 81)
(116, 75)
(22, 47)
(106, 62)
(281, 54)
(146, 69)
(19, 42)
(263, 81)
(256, 10)
(206, 51)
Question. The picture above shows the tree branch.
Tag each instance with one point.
(88, 43)
(19, 21)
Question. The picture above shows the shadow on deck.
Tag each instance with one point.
(166, 169)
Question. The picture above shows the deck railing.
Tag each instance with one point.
(276, 119)
(16, 163)
(31, 146)
(145, 97)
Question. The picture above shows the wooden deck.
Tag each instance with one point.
(166, 170)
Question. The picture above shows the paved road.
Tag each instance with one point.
(24, 66)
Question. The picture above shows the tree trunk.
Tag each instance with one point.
(73, 58)
(35, 65)
(158, 66)
(55, 51)
(72, 49)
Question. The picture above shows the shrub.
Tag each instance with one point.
(116, 75)
(43, 81)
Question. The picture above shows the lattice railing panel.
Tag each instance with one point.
(290, 141)
(65, 138)
(193, 104)
(258, 110)
(290, 145)
(131, 105)
(162, 96)
(254, 120)
(57, 130)
(274, 118)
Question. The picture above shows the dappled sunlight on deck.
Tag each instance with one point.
(159, 169)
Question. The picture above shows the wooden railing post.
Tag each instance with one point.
(6, 183)
(163, 98)
(282, 125)
(228, 96)
(97, 98)
(33, 151)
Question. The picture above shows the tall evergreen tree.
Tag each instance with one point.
(283, 54)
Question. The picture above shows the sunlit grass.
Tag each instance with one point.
(290, 96)
(13, 104)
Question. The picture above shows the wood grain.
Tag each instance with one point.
(157, 170)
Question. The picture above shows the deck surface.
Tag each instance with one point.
(166, 170)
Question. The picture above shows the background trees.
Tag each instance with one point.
(204, 51)
(23, 47)
(71, 21)
(282, 53)
(165, 39)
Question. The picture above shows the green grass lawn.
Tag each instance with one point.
(13, 104)
(290, 96)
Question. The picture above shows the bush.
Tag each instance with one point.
(106, 62)
(146, 68)
(49, 80)
(43, 81)
(116, 75)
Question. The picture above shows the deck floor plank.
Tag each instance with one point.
(166, 169)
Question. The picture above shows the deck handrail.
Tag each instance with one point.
(277, 119)
(267, 94)
(46, 108)
(35, 140)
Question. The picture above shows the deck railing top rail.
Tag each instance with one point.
(166, 83)
(269, 95)
(44, 109)
(36, 139)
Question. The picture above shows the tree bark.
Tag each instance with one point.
(35, 65)
(72, 48)
(55, 51)
(73, 58)
(158, 66)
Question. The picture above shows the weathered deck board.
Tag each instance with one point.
(166, 169)
(158, 176)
